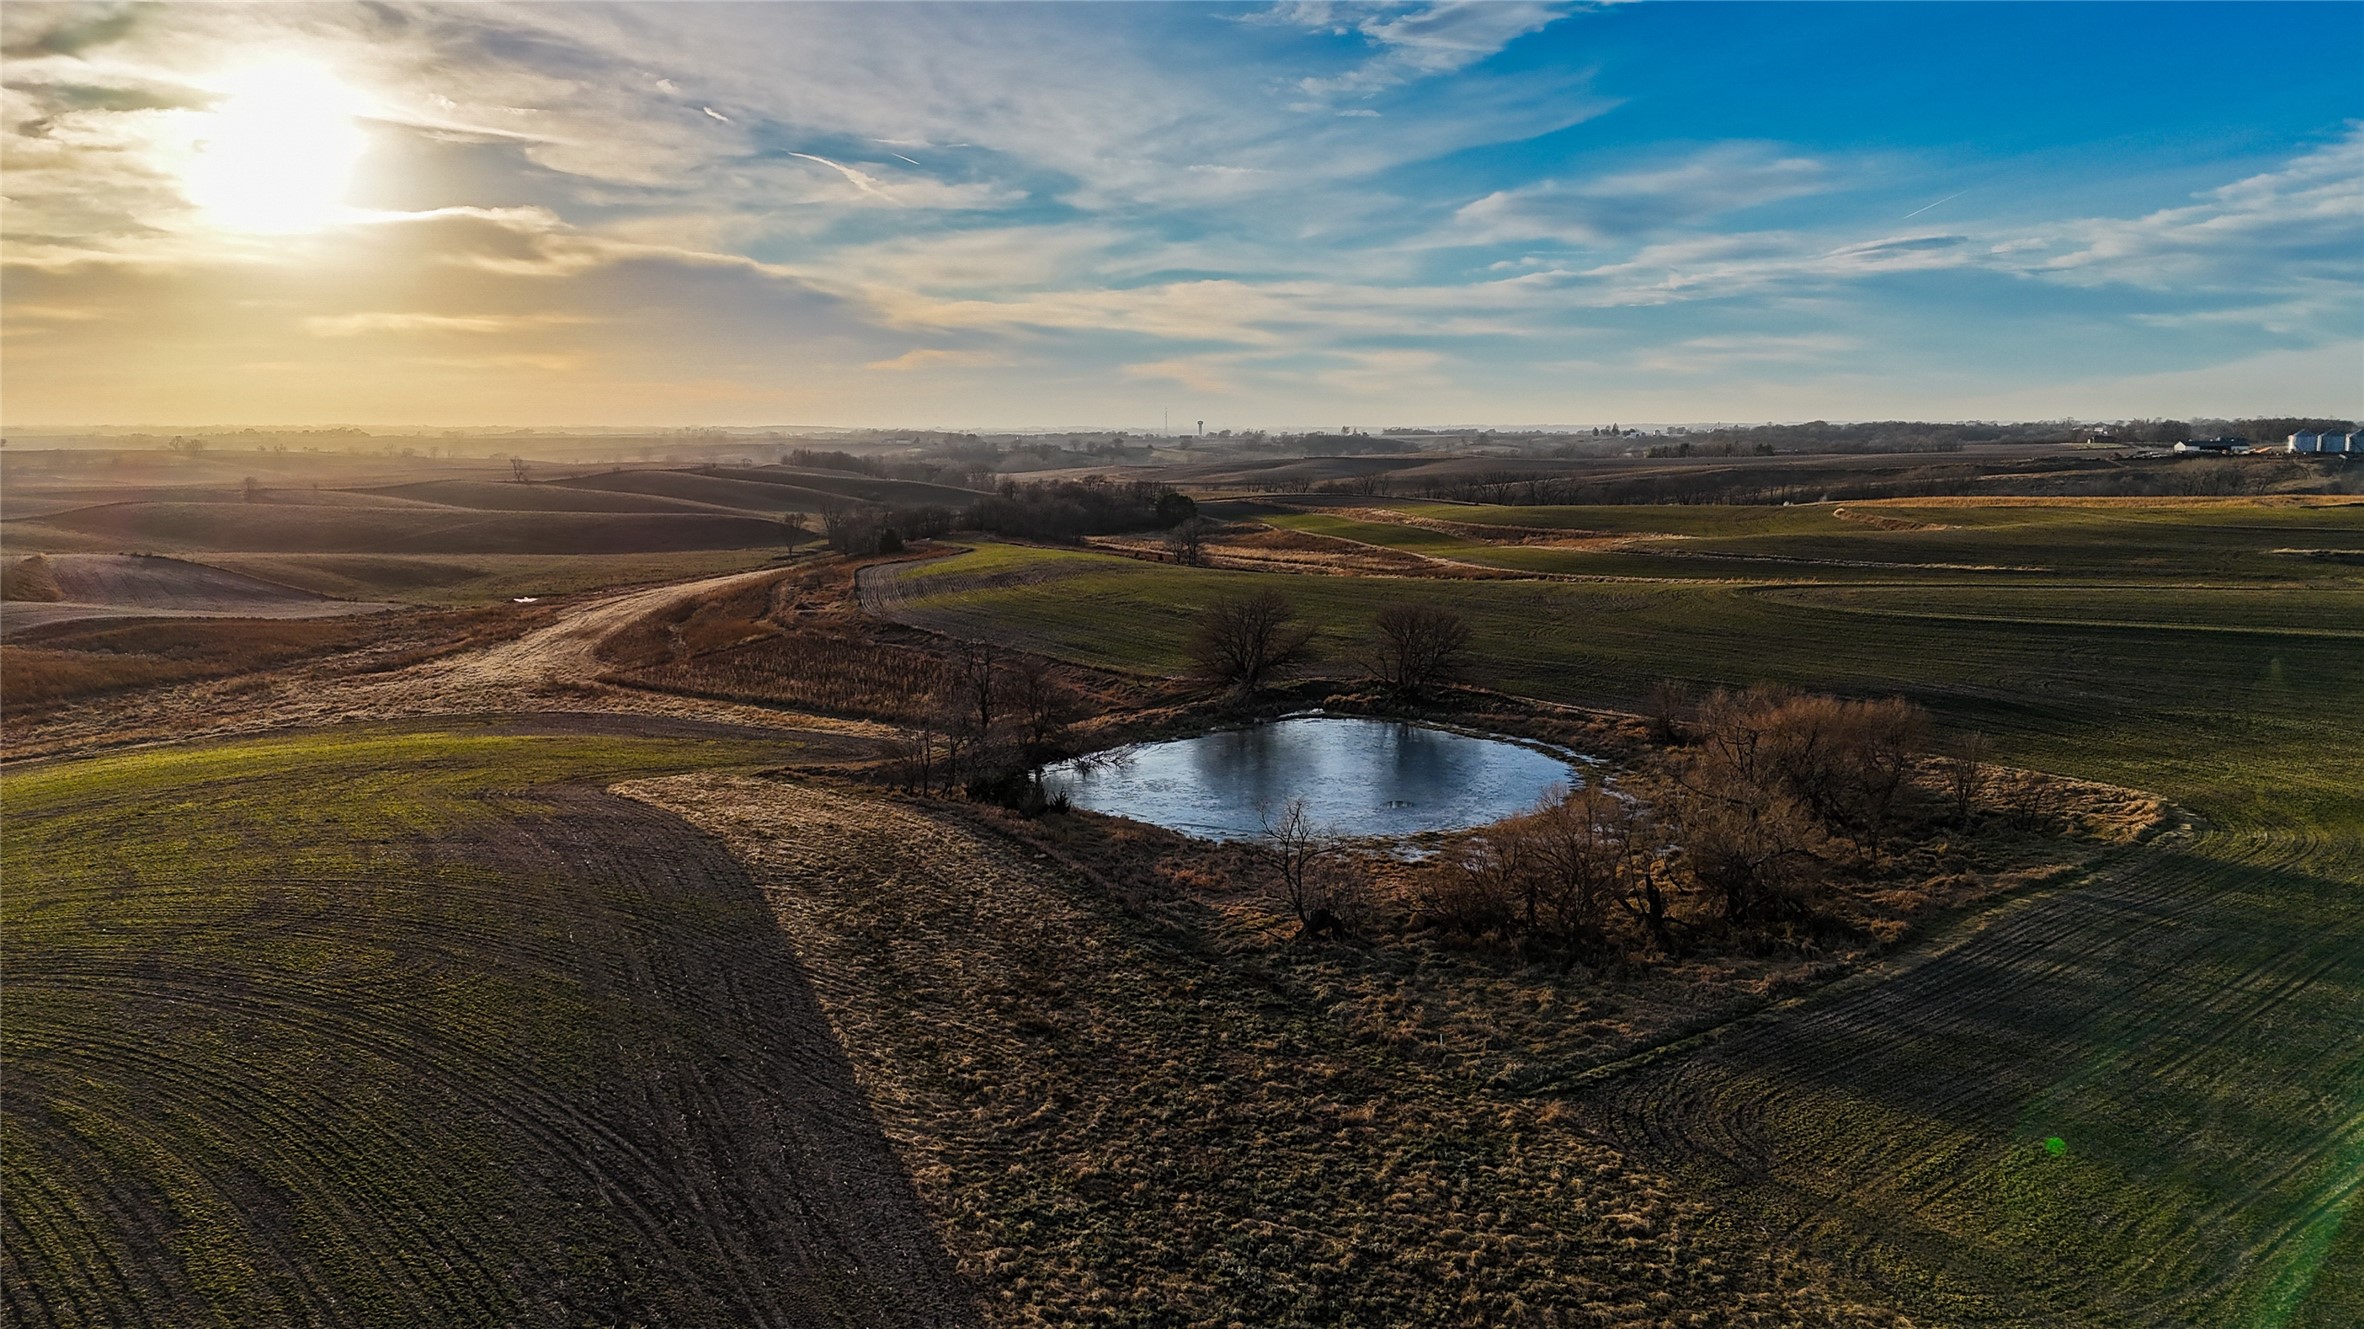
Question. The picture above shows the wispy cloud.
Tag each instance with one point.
(933, 357)
(399, 324)
(1412, 42)
(1708, 183)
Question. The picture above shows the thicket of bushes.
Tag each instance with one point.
(1773, 793)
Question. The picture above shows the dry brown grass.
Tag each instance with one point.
(29, 578)
(79, 660)
(1154, 1116)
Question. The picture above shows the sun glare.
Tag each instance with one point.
(277, 153)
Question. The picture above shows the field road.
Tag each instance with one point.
(552, 668)
(567, 652)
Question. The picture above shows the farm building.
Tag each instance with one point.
(2308, 441)
(2219, 446)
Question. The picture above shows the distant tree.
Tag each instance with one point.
(1415, 647)
(251, 489)
(850, 527)
(1068, 510)
(520, 469)
(1247, 641)
(796, 528)
(1173, 508)
(1188, 540)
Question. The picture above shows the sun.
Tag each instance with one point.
(276, 154)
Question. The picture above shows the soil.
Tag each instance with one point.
(87, 586)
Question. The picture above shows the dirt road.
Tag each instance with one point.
(552, 668)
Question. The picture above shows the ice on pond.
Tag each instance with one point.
(1359, 777)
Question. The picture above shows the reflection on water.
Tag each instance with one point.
(1360, 777)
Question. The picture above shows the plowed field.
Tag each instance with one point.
(408, 1028)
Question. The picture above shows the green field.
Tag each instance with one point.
(407, 1027)
(2030, 543)
(2184, 1022)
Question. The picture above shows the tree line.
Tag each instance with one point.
(1058, 511)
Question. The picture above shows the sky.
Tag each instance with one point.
(1111, 215)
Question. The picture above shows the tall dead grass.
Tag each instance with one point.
(31, 579)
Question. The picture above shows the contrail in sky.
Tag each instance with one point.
(900, 155)
(1926, 206)
(856, 178)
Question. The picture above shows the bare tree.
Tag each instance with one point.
(1301, 851)
(977, 687)
(850, 528)
(1040, 708)
(1964, 768)
(252, 489)
(1415, 647)
(1188, 540)
(1586, 852)
(520, 469)
(796, 528)
(1247, 641)
(1668, 706)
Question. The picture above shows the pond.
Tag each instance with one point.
(1359, 777)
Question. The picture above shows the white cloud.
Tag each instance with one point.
(1415, 42)
(2301, 220)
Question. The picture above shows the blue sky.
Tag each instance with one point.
(1089, 214)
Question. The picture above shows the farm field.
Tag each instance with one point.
(2183, 1024)
(2239, 543)
(77, 587)
(327, 506)
(467, 579)
(916, 1062)
(410, 1026)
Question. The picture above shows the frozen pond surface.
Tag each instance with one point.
(1358, 776)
